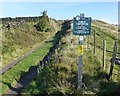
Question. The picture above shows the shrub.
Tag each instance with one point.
(43, 24)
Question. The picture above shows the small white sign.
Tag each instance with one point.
(80, 38)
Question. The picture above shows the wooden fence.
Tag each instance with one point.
(104, 52)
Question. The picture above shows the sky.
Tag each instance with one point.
(106, 11)
(119, 13)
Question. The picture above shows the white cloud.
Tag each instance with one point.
(108, 21)
(105, 20)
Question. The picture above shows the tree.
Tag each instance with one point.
(44, 13)
(43, 24)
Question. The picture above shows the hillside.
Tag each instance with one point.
(13, 75)
(60, 77)
(107, 31)
(19, 36)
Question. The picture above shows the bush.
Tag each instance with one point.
(43, 24)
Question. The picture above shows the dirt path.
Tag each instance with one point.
(26, 77)
(23, 82)
(13, 63)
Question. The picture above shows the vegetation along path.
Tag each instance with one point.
(18, 81)
(13, 63)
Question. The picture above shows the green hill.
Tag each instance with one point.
(47, 39)
(19, 36)
(61, 76)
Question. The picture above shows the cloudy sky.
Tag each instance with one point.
(106, 11)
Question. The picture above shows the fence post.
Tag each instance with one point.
(113, 59)
(88, 43)
(94, 51)
(104, 52)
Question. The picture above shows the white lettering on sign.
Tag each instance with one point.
(87, 32)
(81, 31)
(87, 29)
(81, 28)
(86, 24)
(82, 23)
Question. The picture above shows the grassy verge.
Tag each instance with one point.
(23, 37)
(60, 78)
(62, 73)
(13, 75)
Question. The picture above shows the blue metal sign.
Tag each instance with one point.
(81, 25)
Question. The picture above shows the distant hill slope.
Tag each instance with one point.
(107, 30)
(19, 35)
(112, 29)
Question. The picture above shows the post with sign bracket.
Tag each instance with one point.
(80, 61)
(81, 27)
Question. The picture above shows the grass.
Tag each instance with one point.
(14, 74)
(58, 84)
(62, 73)
(23, 37)
(109, 46)
(60, 78)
